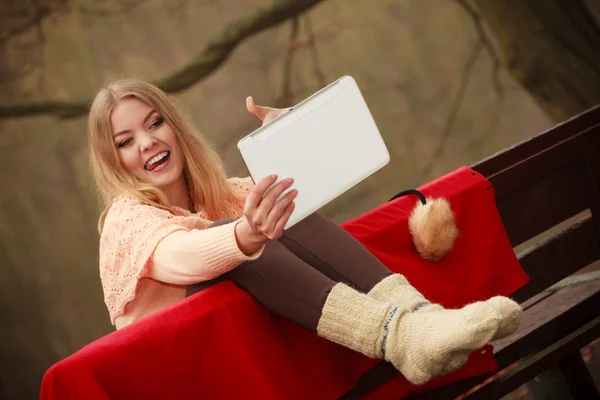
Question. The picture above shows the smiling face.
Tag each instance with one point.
(147, 146)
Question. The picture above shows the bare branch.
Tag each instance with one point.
(62, 109)
(486, 42)
(33, 19)
(209, 59)
(453, 114)
(314, 54)
(286, 95)
(217, 51)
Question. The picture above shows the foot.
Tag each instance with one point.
(396, 289)
(433, 341)
(510, 314)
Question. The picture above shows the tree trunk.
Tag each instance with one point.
(552, 48)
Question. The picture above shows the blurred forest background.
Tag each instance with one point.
(449, 82)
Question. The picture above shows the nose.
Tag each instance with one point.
(147, 142)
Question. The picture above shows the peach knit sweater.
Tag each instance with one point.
(148, 256)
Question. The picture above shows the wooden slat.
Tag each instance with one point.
(549, 320)
(592, 189)
(532, 168)
(558, 257)
(530, 367)
(546, 202)
(525, 149)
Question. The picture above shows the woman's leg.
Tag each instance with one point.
(281, 282)
(327, 247)
(285, 284)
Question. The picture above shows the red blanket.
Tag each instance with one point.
(220, 343)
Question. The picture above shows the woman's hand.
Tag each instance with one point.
(265, 215)
(265, 114)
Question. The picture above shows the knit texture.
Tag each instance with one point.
(181, 258)
(131, 233)
(396, 289)
(354, 320)
(511, 314)
(423, 345)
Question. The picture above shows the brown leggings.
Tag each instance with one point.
(295, 273)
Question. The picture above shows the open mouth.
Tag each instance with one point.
(157, 162)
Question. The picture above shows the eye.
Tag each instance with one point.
(159, 121)
(125, 142)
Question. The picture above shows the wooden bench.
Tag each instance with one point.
(548, 195)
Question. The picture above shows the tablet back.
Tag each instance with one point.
(328, 143)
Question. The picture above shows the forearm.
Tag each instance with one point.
(188, 257)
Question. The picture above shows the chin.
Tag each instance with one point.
(165, 181)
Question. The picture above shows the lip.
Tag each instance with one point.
(160, 167)
(154, 155)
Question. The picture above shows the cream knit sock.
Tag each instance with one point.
(354, 320)
(421, 345)
(397, 289)
(511, 313)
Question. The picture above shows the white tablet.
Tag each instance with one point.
(328, 143)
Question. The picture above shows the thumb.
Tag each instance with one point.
(258, 111)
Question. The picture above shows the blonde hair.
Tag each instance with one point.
(203, 169)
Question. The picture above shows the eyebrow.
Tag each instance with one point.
(145, 120)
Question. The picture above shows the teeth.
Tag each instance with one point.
(157, 158)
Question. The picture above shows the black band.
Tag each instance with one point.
(411, 191)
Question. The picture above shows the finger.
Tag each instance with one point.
(256, 110)
(266, 204)
(285, 217)
(280, 207)
(254, 198)
(274, 113)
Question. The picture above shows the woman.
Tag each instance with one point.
(175, 223)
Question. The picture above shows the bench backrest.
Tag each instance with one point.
(549, 186)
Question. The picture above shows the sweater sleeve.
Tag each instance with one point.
(186, 257)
